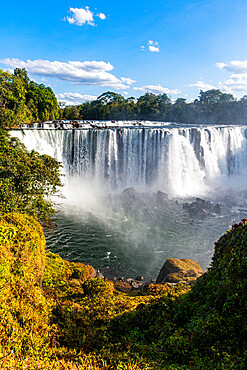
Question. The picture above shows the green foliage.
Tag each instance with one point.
(27, 179)
(212, 107)
(24, 311)
(24, 101)
(79, 322)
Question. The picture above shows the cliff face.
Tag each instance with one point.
(54, 314)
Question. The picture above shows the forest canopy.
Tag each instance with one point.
(211, 107)
(25, 101)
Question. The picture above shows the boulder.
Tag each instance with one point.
(123, 286)
(201, 208)
(130, 192)
(176, 270)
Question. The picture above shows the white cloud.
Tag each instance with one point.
(82, 73)
(153, 46)
(154, 49)
(101, 16)
(236, 82)
(235, 66)
(238, 78)
(127, 81)
(75, 98)
(156, 89)
(201, 85)
(80, 16)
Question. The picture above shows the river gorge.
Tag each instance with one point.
(185, 186)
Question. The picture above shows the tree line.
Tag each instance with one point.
(212, 106)
(25, 101)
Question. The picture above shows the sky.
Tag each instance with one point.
(82, 49)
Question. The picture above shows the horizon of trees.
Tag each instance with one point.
(25, 101)
(212, 106)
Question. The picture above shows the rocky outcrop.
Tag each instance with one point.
(127, 285)
(201, 208)
(177, 270)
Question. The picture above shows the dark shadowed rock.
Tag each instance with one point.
(175, 270)
(161, 197)
(201, 208)
(139, 278)
(130, 192)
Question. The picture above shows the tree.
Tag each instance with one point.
(149, 106)
(27, 179)
(25, 101)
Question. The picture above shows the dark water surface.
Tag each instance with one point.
(130, 238)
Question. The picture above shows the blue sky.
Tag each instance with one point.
(82, 49)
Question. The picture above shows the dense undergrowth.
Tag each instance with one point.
(54, 315)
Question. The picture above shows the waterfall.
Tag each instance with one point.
(182, 161)
(98, 224)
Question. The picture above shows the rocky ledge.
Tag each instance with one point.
(174, 271)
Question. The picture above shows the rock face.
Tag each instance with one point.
(176, 270)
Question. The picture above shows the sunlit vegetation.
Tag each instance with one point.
(25, 101)
(211, 107)
(27, 179)
(54, 315)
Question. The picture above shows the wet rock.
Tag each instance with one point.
(176, 270)
(201, 208)
(123, 286)
(161, 197)
(135, 285)
(139, 278)
(130, 192)
(98, 275)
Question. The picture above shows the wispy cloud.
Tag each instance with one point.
(82, 73)
(156, 89)
(75, 98)
(80, 16)
(235, 66)
(238, 78)
(201, 85)
(237, 82)
(127, 81)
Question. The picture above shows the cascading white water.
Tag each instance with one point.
(138, 233)
(180, 161)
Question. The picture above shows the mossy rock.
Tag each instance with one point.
(98, 287)
(60, 273)
(175, 270)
